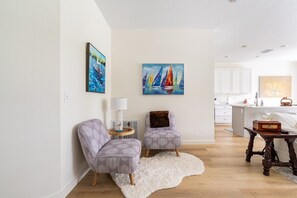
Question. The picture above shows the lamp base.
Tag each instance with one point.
(118, 121)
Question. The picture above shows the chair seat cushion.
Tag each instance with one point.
(161, 139)
(119, 156)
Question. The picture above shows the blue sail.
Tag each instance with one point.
(157, 80)
(144, 80)
(181, 84)
(164, 80)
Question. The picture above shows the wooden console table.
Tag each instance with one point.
(270, 156)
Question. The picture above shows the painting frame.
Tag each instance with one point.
(95, 70)
(163, 78)
(275, 86)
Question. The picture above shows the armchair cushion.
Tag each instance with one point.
(159, 119)
(171, 122)
(161, 139)
(119, 156)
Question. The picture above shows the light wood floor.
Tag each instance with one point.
(226, 175)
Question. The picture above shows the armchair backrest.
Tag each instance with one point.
(92, 135)
(171, 121)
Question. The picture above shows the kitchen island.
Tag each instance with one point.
(244, 115)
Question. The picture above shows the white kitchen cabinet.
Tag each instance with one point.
(224, 81)
(246, 86)
(232, 81)
(236, 81)
(223, 114)
(222, 84)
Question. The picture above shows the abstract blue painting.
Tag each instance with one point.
(163, 79)
(96, 62)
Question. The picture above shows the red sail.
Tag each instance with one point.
(169, 79)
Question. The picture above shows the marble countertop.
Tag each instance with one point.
(254, 106)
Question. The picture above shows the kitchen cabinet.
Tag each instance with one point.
(225, 81)
(223, 114)
(246, 81)
(236, 81)
(232, 81)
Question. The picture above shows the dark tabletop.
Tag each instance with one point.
(283, 134)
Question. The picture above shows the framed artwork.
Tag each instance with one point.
(275, 86)
(95, 78)
(163, 79)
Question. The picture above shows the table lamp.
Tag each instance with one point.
(119, 104)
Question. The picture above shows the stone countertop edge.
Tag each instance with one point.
(253, 106)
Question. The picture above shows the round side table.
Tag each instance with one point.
(124, 133)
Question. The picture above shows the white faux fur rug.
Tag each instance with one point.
(286, 171)
(164, 170)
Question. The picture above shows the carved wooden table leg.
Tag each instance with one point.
(273, 153)
(249, 150)
(267, 156)
(292, 154)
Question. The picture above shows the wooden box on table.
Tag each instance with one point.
(271, 126)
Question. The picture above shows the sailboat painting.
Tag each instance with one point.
(95, 70)
(163, 79)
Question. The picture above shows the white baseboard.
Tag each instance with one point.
(188, 142)
(68, 188)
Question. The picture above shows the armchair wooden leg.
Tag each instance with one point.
(147, 153)
(95, 179)
(131, 179)
(177, 153)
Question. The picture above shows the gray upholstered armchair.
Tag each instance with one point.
(161, 137)
(105, 155)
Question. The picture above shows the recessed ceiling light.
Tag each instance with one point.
(267, 50)
(243, 46)
(283, 46)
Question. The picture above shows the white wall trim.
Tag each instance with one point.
(188, 142)
(68, 188)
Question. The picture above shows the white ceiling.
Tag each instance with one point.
(259, 24)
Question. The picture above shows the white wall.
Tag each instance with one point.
(30, 98)
(264, 68)
(81, 22)
(194, 48)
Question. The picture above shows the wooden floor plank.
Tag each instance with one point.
(226, 175)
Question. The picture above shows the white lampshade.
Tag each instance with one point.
(119, 103)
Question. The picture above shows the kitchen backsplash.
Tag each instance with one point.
(238, 99)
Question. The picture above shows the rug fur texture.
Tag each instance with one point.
(164, 170)
(286, 171)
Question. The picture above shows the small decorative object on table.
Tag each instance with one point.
(285, 101)
(271, 126)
